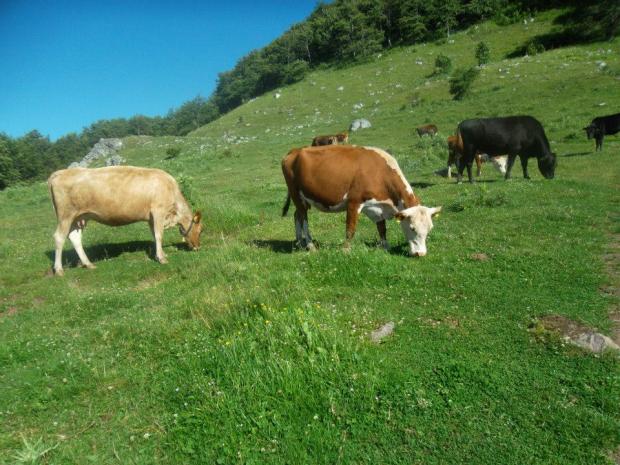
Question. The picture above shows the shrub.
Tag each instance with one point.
(443, 64)
(172, 152)
(461, 82)
(534, 48)
(482, 54)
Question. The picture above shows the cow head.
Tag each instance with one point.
(416, 223)
(547, 165)
(192, 234)
(591, 131)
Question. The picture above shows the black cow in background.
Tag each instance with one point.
(511, 135)
(602, 126)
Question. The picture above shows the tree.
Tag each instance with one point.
(482, 53)
(443, 64)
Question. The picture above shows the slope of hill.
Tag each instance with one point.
(251, 352)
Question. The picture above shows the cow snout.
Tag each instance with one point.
(418, 254)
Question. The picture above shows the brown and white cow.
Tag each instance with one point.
(429, 129)
(354, 179)
(455, 151)
(116, 196)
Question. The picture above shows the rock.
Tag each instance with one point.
(114, 160)
(384, 331)
(578, 334)
(103, 148)
(359, 124)
(594, 342)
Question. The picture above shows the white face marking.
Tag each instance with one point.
(378, 210)
(389, 159)
(416, 226)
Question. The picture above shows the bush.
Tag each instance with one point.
(482, 54)
(461, 82)
(534, 48)
(443, 64)
(172, 152)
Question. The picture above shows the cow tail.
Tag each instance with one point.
(51, 190)
(287, 204)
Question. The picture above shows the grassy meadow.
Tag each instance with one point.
(252, 352)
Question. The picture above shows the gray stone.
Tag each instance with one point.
(594, 342)
(384, 331)
(360, 124)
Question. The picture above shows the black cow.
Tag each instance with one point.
(511, 135)
(602, 126)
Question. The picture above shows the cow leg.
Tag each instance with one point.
(75, 236)
(599, 144)
(306, 232)
(382, 234)
(469, 174)
(478, 166)
(449, 171)
(299, 227)
(59, 238)
(460, 168)
(352, 216)
(157, 229)
(509, 163)
(524, 160)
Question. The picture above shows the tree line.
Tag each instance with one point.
(335, 34)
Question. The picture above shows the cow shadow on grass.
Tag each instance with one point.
(274, 245)
(104, 251)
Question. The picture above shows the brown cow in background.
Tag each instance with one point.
(335, 139)
(429, 129)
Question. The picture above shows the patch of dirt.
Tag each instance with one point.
(8, 312)
(564, 326)
(480, 257)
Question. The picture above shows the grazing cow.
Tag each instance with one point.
(512, 135)
(324, 140)
(343, 137)
(354, 179)
(603, 126)
(429, 129)
(116, 196)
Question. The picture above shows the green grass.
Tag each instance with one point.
(249, 352)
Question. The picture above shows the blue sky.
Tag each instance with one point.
(67, 64)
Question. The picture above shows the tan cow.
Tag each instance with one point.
(116, 196)
(338, 178)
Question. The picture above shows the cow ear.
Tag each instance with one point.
(435, 211)
(197, 217)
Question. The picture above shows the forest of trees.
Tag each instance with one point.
(335, 34)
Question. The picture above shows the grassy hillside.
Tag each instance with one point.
(251, 352)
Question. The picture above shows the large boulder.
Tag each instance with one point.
(105, 148)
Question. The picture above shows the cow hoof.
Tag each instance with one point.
(311, 247)
(90, 266)
(59, 272)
